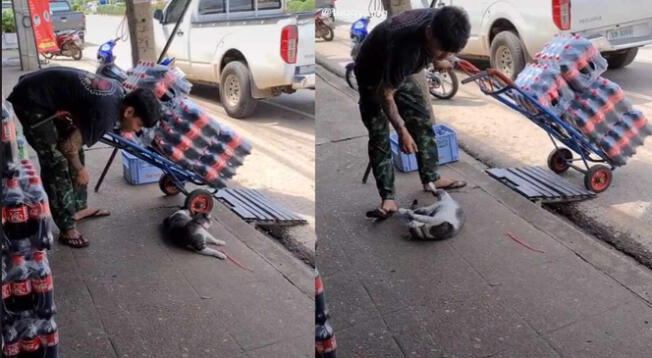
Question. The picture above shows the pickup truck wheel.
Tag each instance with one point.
(507, 54)
(235, 90)
(620, 60)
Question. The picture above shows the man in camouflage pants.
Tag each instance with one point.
(93, 106)
(396, 49)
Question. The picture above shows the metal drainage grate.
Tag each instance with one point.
(539, 184)
(254, 207)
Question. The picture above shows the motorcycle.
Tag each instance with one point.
(357, 33)
(70, 45)
(442, 84)
(106, 60)
(324, 26)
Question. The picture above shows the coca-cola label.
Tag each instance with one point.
(12, 350)
(42, 285)
(23, 288)
(6, 291)
(16, 215)
(8, 131)
(35, 211)
(51, 339)
(31, 345)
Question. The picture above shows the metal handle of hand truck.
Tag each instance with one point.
(474, 77)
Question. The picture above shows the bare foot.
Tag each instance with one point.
(445, 184)
(90, 213)
(388, 206)
(73, 238)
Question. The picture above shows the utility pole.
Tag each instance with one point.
(26, 40)
(141, 31)
(394, 7)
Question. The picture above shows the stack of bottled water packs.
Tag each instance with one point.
(566, 79)
(186, 134)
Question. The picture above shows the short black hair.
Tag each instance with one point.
(451, 27)
(145, 104)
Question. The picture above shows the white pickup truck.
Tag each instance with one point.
(252, 49)
(510, 32)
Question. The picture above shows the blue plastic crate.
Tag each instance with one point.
(137, 171)
(446, 149)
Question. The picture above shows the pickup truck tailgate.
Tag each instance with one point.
(594, 14)
(306, 45)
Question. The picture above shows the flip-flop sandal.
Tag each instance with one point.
(98, 213)
(76, 243)
(379, 214)
(456, 184)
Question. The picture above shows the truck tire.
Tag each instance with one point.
(235, 90)
(620, 60)
(507, 54)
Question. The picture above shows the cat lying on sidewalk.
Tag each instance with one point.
(439, 221)
(191, 231)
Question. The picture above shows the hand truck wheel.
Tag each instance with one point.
(559, 160)
(598, 178)
(199, 201)
(167, 186)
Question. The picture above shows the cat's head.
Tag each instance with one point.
(202, 219)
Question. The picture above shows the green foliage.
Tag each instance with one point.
(8, 23)
(119, 9)
(300, 5)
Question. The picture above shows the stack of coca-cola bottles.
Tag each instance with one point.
(186, 134)
(27, 309)
(566, 79)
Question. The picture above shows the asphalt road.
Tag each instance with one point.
(281, 131)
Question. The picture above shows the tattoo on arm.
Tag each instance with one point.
(70, 149)
(391, 110)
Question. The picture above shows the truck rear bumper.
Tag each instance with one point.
(624, 36)
(307, 81)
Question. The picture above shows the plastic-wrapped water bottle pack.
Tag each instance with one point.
(566, 79)
(186, 134)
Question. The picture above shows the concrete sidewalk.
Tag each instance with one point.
(491, 131)
(130, 294)
(479, 294)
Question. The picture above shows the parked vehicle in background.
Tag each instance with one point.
(64, 18)
(70, 45)
(324, 25)
(6, 6)
(510, 32)
(252, 49)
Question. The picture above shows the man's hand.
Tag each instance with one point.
(407, 143)
(82, 177)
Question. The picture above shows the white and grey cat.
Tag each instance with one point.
(191, 231)
(441, 220)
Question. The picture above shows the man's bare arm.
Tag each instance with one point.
(391, 110)
(70, 149)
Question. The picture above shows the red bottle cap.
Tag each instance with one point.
(39, 256)
(17, 260)
(12, 183)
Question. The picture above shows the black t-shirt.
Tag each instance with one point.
(94, 102)
(394, 50)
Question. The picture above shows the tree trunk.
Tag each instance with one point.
(394, 7)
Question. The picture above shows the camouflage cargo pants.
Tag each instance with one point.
(64, 197)
(412, 107)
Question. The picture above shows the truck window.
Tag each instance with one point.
(211, 7)
(174, 11)
(269, 4)
(57, 6)
(241, 5)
